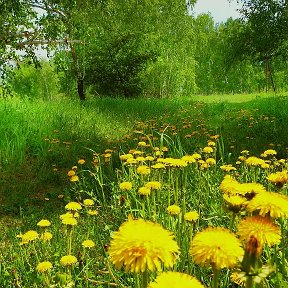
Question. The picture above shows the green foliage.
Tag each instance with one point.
(16, 23)
(134, 48)
(265, 30)
(114, 67)
(262, 34)
(32, 82)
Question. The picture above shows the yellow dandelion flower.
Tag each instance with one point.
(125, 186)
(216, 246)
(165, 149)
(229, 185)
(154, 185)
(269, 152)
(158, 166)
(131, 161)
(174, 280)
(69, 215)
(29, 236)
(272, 204)
(204, 166)
(46, 236)
(196, 156)
(188, 159)
(192, 216)
(177, 163)
(88, 244)
(81, 161)
(211, 161)
(278, 178)
(249, 190)
(245, 152)
(74, 178)
(107, 155)
(141, 245)
(254, 161)
(143, 170)
(260, 227)
(208, 150)
(125, 157)
(71, 173)
(43, 267)
(145, 191)
(68, 260)
(227, 168)
(73, 206)
(173, 210)
(234, 202)
(142, 144)
(242, 158)
(44, 223)
(149, 158)
(93, 212)
(215, 137)
(88, 202)
(140, 159)
(69, 221)
(211, 143)
(265, 166)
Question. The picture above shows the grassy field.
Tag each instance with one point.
(41, 141)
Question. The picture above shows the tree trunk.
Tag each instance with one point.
(271, 74)
(266, 74)
(80, 88)
(79, 75)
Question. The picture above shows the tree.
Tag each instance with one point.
(263, 32)
(16, 29)
(139, 47)
(23, 28)
(128, 47)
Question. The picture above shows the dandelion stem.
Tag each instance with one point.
(232, 221)
(283, 250)
(215, 281)
(249, 282)
(145, 279)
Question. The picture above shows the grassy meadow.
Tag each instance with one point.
(112, 192)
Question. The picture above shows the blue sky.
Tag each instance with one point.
(219, 9)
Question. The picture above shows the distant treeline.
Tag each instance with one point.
(151, 48)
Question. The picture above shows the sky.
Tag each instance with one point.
(220, 10)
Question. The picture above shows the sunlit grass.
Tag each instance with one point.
(40, 140)
(103, 198)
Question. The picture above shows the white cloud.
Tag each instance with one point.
(220, 10)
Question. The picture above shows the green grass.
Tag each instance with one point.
(236, 98)
(33, 135)
(41, 141)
